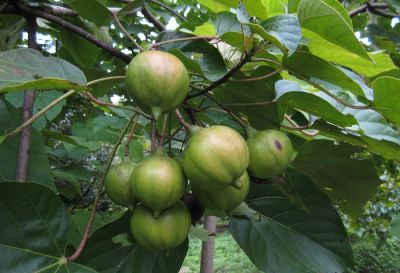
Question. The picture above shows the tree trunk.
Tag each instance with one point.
(208, 247)
(29, 99)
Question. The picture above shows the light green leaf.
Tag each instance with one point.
(288, 237)
(387, 98)
(333, 53)
(26, 68)
(319, 17)
(331, 167)
(395, 229)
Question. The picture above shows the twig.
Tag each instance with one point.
(27, 111)
(164, 129)
(169, 9)
(182, 119)
(116, 19)
(149, 16)
(153, 134)
(250, 103)
(224, 78)
(236, 118)
(89, 225)
(156, 45)
(297, 127)
(131, 133)
(99, 102)
(358, 10)
(258, 78)
(28, 11)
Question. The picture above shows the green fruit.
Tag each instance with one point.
(158, 80)
(215, 157)
(158, 182)
(225, 199)
(270, 153)
(117, 183)
(165, 232)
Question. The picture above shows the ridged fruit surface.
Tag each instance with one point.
(158, 80)
(158, 182)
(270, 153)
(117, 184)
(215, 157)
(167, 231)
(225, 199)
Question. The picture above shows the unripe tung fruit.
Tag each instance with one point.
(215, 157)
(158, 182)
(117, 184)
(225, 199)
(167, 231)
(270, 153)
(158, 80)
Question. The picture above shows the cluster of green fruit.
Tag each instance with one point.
(216, 160)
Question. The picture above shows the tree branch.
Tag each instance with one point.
(182, 119)
(168, 8)
(152, 19)
(89, 225)
(116, 19)
(224, 78)
(27, 111)
(33, 12)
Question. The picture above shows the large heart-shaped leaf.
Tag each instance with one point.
(33, 231)
(349, 181)
(292, 237)
(26, 68)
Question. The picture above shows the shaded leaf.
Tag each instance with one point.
(286, 237)
(348, 181)
(387, 98)
(26, 68)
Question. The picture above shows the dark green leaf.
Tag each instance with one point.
(34, 230)
(287, 237)
(26, 68)
(93, 11)
(348, 181)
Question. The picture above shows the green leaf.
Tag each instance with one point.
(310, 103)
(209, 63)
(218, 5)
(309, 65)
(26, 68)
(320, 17)
(10, 34)
(283, 31)
(136, 259)
(38, 164)
(387, 98)
(130, 7)
(331, 52)
(287, 237)
(254, 99)
(381, 147)
(93, 11)
(34, 230)
(395, 228)
(83, 52)
(332, 167)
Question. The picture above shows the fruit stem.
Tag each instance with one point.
(182, 120)
(89, 225)
(194, 129)
(237, 184)
(128, 142)
(153, 134)
(250, 131)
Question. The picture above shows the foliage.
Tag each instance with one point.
(324, 72)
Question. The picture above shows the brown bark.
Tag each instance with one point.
(208, 247)
(29, 99)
